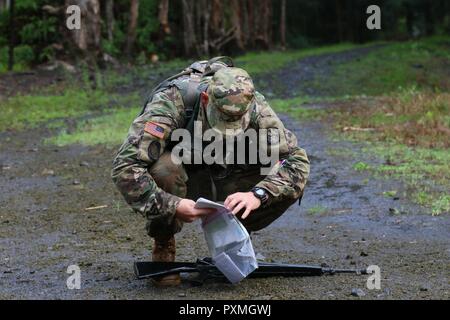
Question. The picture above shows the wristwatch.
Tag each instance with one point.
(261, 194)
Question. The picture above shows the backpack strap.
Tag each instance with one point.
(217, 63)
(191, 94)
(193, 108)
(163, 86)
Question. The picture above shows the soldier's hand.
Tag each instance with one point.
(187, 212)
(240, 200)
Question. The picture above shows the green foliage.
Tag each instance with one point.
(24, 5)
(147, 25)
(38, 30)
(111, 47)
(34, 33)
(308, 23)
(24, 55)
(298, 41)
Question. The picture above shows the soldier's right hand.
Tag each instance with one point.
(187, 212)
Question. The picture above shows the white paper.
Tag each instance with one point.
(203, 203)
(228, 242)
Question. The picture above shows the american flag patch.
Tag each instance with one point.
(154, 129)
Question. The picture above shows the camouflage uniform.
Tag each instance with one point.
(153, 185)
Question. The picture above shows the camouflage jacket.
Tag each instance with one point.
(130, 167)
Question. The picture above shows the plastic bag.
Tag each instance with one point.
(228, 242)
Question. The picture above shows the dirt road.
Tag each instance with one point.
(344, 221)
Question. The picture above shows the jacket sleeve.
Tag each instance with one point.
(289, 175)
(147, 139)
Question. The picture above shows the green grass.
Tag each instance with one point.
(419, 166)
(361, 166)
(420, 63)
(262, 62)
(409, 117)
(425, 172)
(30, 110)
(294, 108)
(318, 209)
(390, 194)
(111, 128)
(108, 129)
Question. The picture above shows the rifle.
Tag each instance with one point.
(207, 271)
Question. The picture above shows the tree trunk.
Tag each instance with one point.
(109, 9)
(283, 24)
(269, 29)
(429, 18)
(339, 20)
(216, 17)
(206, 4)
(87, 38)
(188, 27)
(197, 12)
(12, 33)
(236, 23)
(251, 22)
(163, 16)
(3, 5)
(263, 23)
(409, 19)
(244, 23)
(132, 25)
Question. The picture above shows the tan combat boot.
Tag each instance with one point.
(164, 250)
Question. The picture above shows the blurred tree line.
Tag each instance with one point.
(34, 31)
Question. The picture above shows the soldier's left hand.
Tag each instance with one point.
(240, 200)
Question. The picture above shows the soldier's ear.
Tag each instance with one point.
(204, 99)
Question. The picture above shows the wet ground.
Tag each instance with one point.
(344, 221)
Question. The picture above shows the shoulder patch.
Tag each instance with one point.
(154, 129)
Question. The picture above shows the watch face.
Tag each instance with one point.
(260, 192)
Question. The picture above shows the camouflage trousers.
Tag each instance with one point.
(186, 182)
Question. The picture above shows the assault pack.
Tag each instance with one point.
(191, 82)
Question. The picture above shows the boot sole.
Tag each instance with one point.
(168, 281)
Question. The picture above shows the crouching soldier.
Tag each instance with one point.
(218, 97)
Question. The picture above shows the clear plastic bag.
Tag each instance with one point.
(228, 242)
